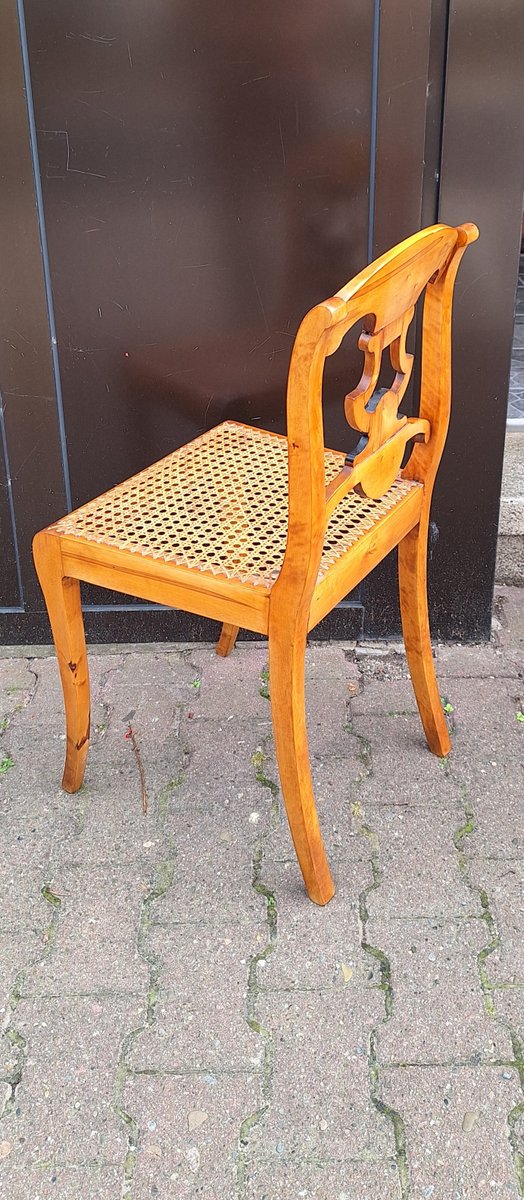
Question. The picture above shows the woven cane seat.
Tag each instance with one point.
(219, 505)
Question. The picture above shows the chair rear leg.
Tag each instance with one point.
(412, 570)
(62, 597)
(287, 647)
(227, 639)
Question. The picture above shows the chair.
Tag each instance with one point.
(270, 533)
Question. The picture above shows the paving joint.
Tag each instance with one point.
(494, 943)
(254, 1118)
(387, 1111)
(161, 882)
(12, 1035)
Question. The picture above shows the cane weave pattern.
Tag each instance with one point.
(219, 505)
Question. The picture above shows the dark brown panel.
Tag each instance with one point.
(144, 624)
(405, 43)
(205, 173)
(9, 589)
(26, 374)
(482, 180)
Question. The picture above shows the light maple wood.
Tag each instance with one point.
(341, 517)
(360, 560)
(227, 639)
(62, 597)
(435, 407)
(287, 652)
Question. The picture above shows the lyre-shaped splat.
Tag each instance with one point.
(375, 462)
(366, 408)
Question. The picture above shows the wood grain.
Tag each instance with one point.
(342, 518)
(62, 597)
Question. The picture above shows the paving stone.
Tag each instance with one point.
(498, 806)
(110, 828)
(214, 822)
(509, 1007)
(44, 703)
(22, 904)
(232, 686)
(402, 769)
(33, 772)
(86, 956)
(150, 672)
(379, 660)
(46, 711)
(65, 1101)
(221, 756)
(321, 1103)
(433, 1102)
(317, 1132)
(472, 662)
(419, 871)
(316, 947)
(91, 1182)
(503, 883)
(508, 602)
(341, 1180)
(27, 842)
(174, 1162)
(201, 1014)
(390, 697)
(39, 796)
(434, 972)
(328, 732)
(213, 879)
(330, 660)
(484, 720)
(18, 950)
(341, 848)
(17, 684)
(336, 779)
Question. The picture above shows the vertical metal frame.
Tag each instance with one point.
(469, 138)
(30, 425)
(481, 180)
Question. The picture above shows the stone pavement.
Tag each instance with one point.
(178, 1020)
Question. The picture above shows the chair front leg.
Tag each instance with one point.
(412, 573)
(62, 597)
(287, 648)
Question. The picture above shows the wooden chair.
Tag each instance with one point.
(270, 533)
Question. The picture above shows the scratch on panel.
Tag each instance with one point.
(91, 37)
(208, 406)
(64, 133)
(257, 289)
(282, 142)
(256, 79)
(259, 344)
(404, 83)
(77, 171)
(178, 232)
(97, 108)
(58, 133)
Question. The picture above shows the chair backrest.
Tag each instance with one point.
(383, 296)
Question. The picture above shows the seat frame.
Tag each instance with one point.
(383, 295)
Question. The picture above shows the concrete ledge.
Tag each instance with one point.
(510, 550)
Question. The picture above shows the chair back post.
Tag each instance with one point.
(306, 476)
(435, 382)
(383, 295)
